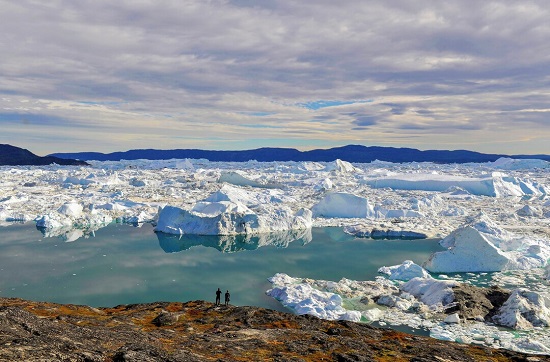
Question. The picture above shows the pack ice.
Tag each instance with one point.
(492, 219)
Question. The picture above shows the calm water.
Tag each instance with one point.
(121, 264)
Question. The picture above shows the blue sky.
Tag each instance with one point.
(221, 74)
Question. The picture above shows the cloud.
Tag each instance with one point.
(160, 72)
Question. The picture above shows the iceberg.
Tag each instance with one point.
(229, 218)
(506, 163)
(343, 205)
(405, 271)
(480, 246)
(497, 185)
(240, 178)
(432, 292)
(340, 166)
(524, 309)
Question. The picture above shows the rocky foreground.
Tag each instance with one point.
(200, 331)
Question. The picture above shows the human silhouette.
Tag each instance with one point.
(218, 296)
(227, 296)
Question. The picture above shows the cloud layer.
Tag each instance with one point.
(221, 74)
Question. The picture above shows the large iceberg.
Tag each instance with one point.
(496, 185)
(480, 246)
(230, 218)
(506, 163)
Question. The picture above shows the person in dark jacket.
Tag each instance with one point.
(218, 296)
(227, 296)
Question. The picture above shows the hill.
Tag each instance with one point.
(15, 156)
(350, 153)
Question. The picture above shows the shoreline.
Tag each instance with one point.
(200, 331)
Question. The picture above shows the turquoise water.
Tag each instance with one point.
(121, 264)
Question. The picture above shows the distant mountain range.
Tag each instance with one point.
(15, 156)
(350, 153)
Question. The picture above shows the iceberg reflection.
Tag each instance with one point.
(171, 243)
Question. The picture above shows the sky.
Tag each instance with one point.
(240, 74)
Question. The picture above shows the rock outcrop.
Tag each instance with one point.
(200, 331)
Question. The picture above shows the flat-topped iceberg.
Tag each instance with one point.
(496, 185)
(506, 163)
(230, 218)
(343, 205)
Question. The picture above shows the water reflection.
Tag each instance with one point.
(232, 243)
(70, 233)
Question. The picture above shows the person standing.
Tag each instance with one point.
(218, 296)
(227, 296)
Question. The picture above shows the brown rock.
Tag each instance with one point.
(197, 331)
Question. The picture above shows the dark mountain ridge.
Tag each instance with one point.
(15, 156)
(350, 153)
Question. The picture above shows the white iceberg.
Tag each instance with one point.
(529, 210)
(524, 309)
(343, 205)
(506, 163)
(497, 185)
(405, 271)
(240, 178)
(71, 209)
(303, 298)
(230, 218)
(481, 246)
(432, 292)
(340, 166)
